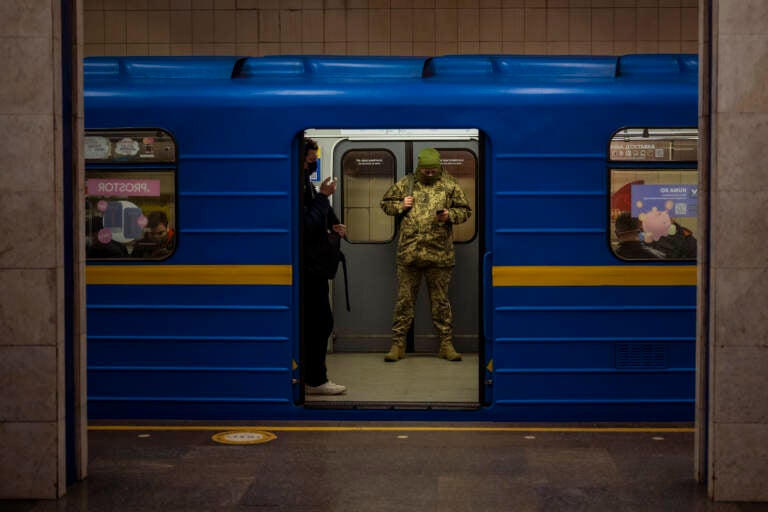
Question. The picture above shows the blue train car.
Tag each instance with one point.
(575, 287)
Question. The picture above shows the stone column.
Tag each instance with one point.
(32, 255)
(736, 116)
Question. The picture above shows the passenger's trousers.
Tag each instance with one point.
(409, 279)
(318, 324)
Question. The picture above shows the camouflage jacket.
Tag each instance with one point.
(424, 240)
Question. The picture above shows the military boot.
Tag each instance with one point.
(395, 353)
(448, 352)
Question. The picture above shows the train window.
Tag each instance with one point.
(654, 194)
(130, 194)
(130, 215)
(462, 165)
(367, 175)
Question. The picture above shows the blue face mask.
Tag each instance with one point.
(311, 167)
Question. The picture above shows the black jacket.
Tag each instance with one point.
(321, 243)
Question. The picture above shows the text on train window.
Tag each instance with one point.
(654, 195)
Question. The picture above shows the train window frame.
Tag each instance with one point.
(131, 173)
(653, 172)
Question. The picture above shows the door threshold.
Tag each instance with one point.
(399, 406)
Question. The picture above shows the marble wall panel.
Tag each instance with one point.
(27, 89)
(30, 234)
(742, 73)
(741, 457)
(739, 313)
(741, 384)
(28, 378)
(739, 229)
(28, 468)
(740, 166)
(25, 18)
(30, 318)
(742, 17)
(25, 157)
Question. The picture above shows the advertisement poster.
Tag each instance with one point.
(676, 200)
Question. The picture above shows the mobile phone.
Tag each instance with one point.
(438, 212)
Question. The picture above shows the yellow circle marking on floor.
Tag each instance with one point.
(244, 437)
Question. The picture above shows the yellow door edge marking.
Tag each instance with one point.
(311, 428)
(616, 275)
(189, 274)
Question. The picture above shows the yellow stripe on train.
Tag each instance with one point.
(502, 276)
(634, 275)
(189, 274)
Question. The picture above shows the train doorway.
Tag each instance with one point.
(367, 163)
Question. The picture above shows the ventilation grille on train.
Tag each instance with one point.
(641, 356)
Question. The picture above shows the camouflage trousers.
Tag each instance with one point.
(409, 278)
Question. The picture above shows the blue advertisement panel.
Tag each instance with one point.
(676, 200)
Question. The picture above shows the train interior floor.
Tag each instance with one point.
(420, 377)
(387, 467)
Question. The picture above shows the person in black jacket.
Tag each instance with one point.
(680, 244)
(319, 220)
(630, 246)
(108, 248)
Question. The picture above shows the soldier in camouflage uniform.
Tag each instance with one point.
(428, 203)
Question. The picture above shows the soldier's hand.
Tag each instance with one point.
(442, 216)
(407, 202)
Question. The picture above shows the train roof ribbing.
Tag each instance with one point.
(452, 67)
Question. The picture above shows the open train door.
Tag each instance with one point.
(367, 163)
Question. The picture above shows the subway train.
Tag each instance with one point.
(574, 290)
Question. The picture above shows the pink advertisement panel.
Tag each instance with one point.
(118, 187)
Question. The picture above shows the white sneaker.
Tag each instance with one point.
(328, 388)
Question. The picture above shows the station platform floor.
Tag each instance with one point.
(370, 467)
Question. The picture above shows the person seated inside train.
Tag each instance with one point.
(101, 244)
(630, 246)
(679, 244)
(159, 240)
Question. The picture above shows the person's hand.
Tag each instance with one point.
(407, 202)
(328, 186)
(443, 216)
(340, 229)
